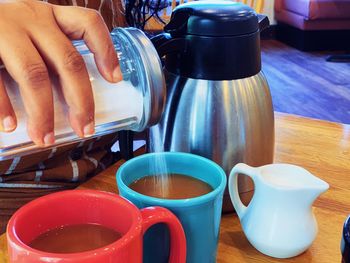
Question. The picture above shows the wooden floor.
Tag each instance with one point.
(303, 83)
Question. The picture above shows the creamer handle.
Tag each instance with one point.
(245, 169)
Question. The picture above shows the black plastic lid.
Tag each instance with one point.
(212, 18)
(345, 242)
(212, 40)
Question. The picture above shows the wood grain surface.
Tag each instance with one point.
(304, 83)
(321, 147)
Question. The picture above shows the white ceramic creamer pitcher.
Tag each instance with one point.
(278, 221)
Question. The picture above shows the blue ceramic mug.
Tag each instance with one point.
(200, 216)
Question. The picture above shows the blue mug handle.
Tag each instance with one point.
(155, 215)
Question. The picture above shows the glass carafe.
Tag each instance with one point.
(135, 103)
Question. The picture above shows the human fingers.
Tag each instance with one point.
(8, 120)
(25, 65)
(87, 24)
(67, 63)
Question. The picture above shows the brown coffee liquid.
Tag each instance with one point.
(171, 186)
(75, 238)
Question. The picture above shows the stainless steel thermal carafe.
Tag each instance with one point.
(218, 101)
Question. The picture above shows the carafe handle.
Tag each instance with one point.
(165, 44)
(245, 169)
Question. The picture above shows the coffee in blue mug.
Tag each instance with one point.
(200, 216)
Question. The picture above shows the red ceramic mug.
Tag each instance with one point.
(95, 207)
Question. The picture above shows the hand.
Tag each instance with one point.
(35, 38)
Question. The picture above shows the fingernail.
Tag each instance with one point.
(8, 124)
(117, 74)
(89, 129)
(49, 139)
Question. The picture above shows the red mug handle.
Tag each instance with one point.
(155, 215)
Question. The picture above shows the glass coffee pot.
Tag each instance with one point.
(135, 103)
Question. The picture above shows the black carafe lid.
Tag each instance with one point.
(208, 18)
(212, 40)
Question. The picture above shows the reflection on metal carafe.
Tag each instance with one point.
(226, 121)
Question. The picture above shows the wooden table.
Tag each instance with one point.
(321, 147)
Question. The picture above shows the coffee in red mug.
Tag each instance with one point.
(75, 213)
